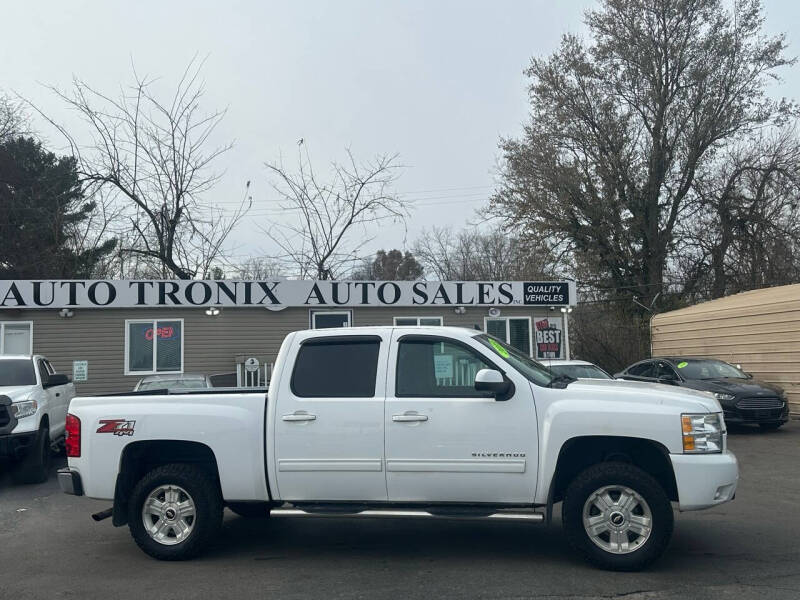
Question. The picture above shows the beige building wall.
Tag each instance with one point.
(760, 330)
(211, 344)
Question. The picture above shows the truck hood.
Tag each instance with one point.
(686, 400)
(17, 392)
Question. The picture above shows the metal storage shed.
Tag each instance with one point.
(759, 330)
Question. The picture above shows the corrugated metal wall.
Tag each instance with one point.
(759, 330)
(211, 344)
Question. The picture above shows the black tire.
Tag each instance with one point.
(619, 474)
(250, 510)
(35, 467)
(769, 426)
(203, 490)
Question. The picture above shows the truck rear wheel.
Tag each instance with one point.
(175, 511)
(617, 516)
(35, 467)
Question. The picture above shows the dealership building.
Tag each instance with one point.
(108, 334)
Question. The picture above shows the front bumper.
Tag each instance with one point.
(736, 416)
(70, 481)
(17, 445)
(705, 480)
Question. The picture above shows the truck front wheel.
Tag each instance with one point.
(175, 511)
(617, 516)
(35, 467)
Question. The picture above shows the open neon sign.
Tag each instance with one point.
(163, 333)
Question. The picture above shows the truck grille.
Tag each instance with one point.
(5, 417)
(765, 403)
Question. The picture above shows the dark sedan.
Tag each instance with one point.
(744, 400)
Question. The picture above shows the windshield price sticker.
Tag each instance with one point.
(499, 349)
(682, 364)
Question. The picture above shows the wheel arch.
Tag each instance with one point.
(579, 453)
(138, 458)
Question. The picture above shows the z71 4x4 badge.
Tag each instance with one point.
(116, 426)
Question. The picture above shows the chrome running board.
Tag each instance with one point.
(532, 517)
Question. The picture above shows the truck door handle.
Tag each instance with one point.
(299, 416)
(409, 417)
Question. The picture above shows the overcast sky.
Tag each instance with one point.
(436, 82)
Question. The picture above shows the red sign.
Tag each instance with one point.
(164, 333)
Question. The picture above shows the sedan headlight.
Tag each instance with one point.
(722, 397)
(23, 409)
(702, 434)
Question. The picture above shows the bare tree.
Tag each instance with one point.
(332, 219)
(156, 156)
(258, 268)
(472, 254)
(13, 120)
(623, 123)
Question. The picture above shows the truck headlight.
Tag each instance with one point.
(23, 409)
(721, 397)
(702, 434)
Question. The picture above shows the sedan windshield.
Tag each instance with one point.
(17, 372)
(580, 371)
(532, 370)
(708, 369)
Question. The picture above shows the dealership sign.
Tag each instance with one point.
(109, 293)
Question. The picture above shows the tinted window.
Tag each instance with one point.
(17, 372)
(433, 368)
(708, 369)
(641, 370)
(666, 372)
(336, 369)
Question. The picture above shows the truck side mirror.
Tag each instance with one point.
(55, 379)
(489, 380)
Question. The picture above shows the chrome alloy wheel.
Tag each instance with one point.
(617, 519)
(168, 514)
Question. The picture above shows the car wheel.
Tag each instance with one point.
(617, 516)
(250, 510)
(769, 426)
(35, 467)
(175, 511)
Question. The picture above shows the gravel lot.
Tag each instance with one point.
(750, 548)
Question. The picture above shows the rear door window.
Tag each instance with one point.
(336, 367)
(645, 369)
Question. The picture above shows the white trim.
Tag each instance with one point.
(456, 465)
(330, 464)
(507, 340)
(441, 321)
(3, 335)
(154, 371)
(315, 311)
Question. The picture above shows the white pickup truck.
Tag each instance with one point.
(406, 422)
(33, 408)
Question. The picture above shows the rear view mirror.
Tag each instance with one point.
(489, 380)
(667, 379)
(56, 379)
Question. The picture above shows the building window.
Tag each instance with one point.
(153, 346)
(16, 337)
(417, 321)
(515, 331)
(326, 319)
(336, 368)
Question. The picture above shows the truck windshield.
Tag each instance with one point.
(17, 372)
(532, 370)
